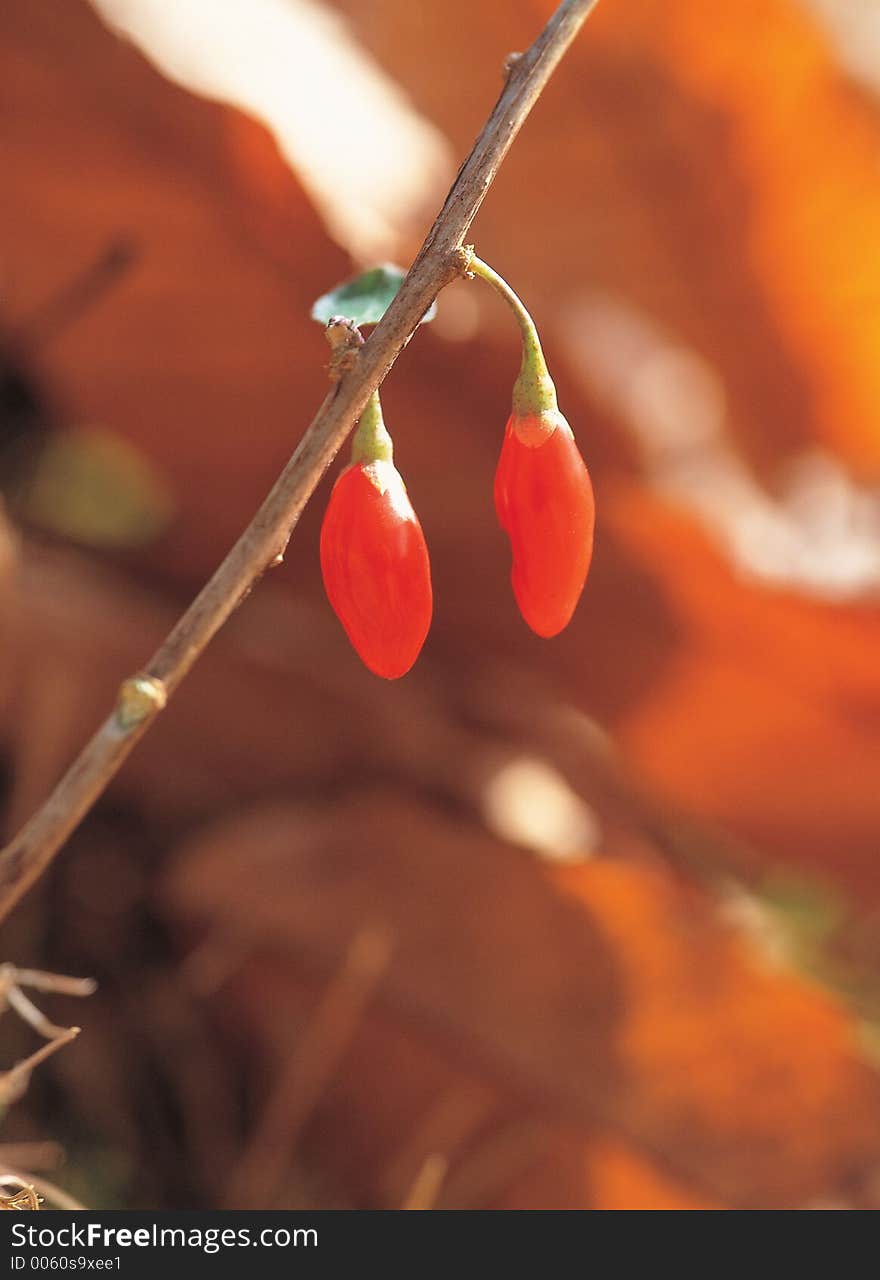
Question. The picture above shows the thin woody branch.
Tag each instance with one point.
(263, 543)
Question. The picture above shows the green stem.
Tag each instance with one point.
(371, 441)
(533, 391)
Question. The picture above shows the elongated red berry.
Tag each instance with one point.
(543, 494)
(544, 503)
(374, 559)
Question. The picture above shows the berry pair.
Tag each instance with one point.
(374, 558)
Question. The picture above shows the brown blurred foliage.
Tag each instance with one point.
(593, 921)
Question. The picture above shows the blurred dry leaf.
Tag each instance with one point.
(608, 994)
(766, 717)
(372, 165)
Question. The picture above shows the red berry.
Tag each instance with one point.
(376, 569)
(544, 501)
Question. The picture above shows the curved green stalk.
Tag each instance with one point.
(533, 391)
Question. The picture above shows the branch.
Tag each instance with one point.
(15, 1081)
(264, 541)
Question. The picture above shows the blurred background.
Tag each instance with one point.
(584, 924)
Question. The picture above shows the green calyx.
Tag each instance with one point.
(371, 442)
(533, 392)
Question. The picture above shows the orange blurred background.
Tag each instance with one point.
(591, 923)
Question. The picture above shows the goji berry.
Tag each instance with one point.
(374, 558)
(543, 494)
(544, 502)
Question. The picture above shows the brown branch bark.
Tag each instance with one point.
(265, 539)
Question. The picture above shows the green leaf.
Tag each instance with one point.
(364, 299)
(97, 489)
